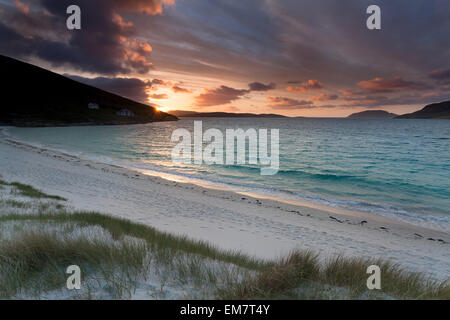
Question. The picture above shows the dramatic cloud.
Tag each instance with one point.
(106, 43)
(225, 95)
(306, 86)
(131, 88)
(258, 86)
(282, 103)
(219, 96)
(390, 85)
(284, 42)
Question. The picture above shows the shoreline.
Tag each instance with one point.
(260, 227)
(387, 214)
(211, 186)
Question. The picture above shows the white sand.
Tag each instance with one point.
(260, 227)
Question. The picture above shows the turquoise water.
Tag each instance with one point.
(394, 168)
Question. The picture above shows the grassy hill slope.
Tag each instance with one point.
(32, 96)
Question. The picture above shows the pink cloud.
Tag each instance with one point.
(324, 97)
(178, 89)
(283, 103)
(306, 86)
(389, 85)
(219, 96)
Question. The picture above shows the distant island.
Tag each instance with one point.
(32, 96)
(372, 114)
(432, 111)
(194, 114)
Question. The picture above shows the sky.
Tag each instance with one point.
(290, 57)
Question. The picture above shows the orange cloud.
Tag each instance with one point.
(306, 86)
(118, 20)
(347, 92)
(137, 55)
(283, 103)
(22, 7)
(219, 96)
(158, 96)
(178, 89)
(160, 82)
(325, 97)
(153, 7)
(389, 85)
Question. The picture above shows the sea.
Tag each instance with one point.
(395, 168)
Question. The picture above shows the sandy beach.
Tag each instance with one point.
(264, 228)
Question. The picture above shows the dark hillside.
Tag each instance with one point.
(32, 96)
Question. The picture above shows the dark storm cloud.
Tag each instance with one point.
(106, 43)
(258, 86)
(131, 88)
(13, 43)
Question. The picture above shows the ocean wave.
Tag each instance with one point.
(389, 211)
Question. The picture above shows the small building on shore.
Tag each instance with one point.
(93, 106)
(125, 113)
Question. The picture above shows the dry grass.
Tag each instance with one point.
(277, 280)
(395, 281)
(300, 275)
(33, 263)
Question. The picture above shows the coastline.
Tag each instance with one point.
(265, 228)
(38, 124)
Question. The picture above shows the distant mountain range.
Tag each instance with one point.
(372, 114)
(432, 111)
(32, 96)
(194, 114)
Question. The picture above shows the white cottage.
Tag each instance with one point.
(125, 113)
(93, 106)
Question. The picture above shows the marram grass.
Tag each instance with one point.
(33, 263)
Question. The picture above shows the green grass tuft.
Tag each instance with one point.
(36, 262)
(30, 192)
